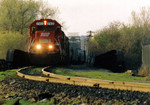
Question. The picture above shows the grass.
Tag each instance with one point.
(24, 102)
(47, 102)
(101, 75)
(32, 71)
(8, 73)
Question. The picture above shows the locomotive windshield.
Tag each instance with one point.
(45, 28)
(49, 28)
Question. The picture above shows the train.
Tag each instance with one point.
(48, 45)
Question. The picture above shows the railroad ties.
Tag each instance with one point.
(55, 78)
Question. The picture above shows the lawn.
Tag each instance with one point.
(8, 73)
(97, 74)
(32, 71)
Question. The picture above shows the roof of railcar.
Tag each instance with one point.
(48, 20)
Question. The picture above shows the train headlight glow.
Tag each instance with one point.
(38, 46)
(45, 22)
(50, 46)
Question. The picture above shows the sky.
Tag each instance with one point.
(81, 16)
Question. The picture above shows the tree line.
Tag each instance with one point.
(127, 37)
(15, 18)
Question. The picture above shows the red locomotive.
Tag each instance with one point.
(48, 42)
(47, 45)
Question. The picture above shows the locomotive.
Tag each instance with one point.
(47, 45)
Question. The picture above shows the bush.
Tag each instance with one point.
(143, 71)
(12, 40)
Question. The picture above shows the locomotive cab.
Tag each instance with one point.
(44, 37)
(47, 42)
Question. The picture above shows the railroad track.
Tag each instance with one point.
(55, 78)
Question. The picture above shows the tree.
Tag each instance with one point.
(128, 37)
(46, 12)
(17, 15)
(11, 40)
(142, 20)
(107, 38)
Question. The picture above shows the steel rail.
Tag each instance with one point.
(55, 78)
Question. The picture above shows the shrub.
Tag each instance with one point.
(12, 40)
(143, 71)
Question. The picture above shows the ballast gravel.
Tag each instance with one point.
(68, 94)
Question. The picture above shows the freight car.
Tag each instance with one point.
(112, 60)
(47, 45)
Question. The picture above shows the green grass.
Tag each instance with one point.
(24, 102)
(47, 102)
(10, 102)
(101, 75)
(8, 73)
(32, 71)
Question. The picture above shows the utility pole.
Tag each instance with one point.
(90, 33)
(87, 52)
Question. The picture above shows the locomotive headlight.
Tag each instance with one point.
(50, 46)
(38, 46)
(45, 22)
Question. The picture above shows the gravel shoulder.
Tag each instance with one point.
(19, 88)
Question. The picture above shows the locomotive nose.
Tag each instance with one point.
(45, 34)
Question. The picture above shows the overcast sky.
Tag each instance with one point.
(84, 15)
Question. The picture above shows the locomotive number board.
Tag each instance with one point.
(48, 23)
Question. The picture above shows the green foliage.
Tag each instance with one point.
(128, 37)
(106, 39)
(16, 15)
(12, 40)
